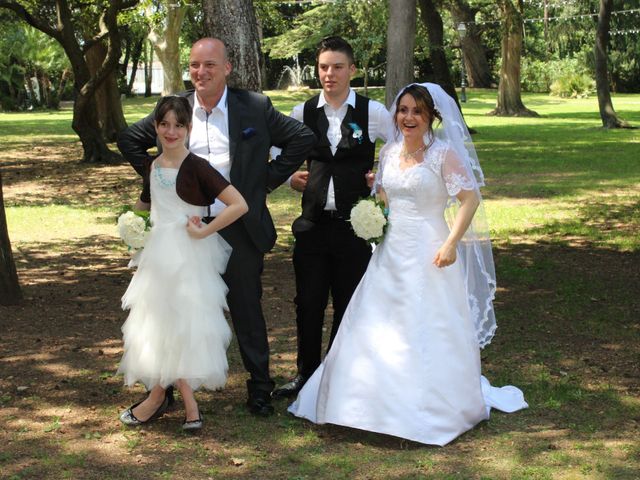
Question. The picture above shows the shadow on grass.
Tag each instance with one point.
(61, 179)
(568, 336)
(605, 221)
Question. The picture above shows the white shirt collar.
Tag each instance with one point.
(351, 99)
(222, 103)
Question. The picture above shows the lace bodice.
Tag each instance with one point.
(423, 190)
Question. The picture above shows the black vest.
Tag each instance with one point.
(352, 160)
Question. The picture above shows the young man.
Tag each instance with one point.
(328, 258)
(234, 130)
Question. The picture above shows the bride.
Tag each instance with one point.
(406, 358)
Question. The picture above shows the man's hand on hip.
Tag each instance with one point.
(299, 181)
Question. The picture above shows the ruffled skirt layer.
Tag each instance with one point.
(176, 327)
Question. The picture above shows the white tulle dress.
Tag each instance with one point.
(176, 327)
(406, 359)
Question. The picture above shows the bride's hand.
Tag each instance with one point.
(445, 256)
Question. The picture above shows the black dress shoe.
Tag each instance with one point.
(128, 418)
(193, 425)
(291, 388)
(260, 404)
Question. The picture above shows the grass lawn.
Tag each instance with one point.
(563, 201)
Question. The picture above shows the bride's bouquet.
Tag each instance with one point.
(369, 220)
(133, 227)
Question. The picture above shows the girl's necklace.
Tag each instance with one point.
(165, 182)
(158, 169)
(413, 154)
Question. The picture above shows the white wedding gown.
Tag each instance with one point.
(176, 327)
(406, 360)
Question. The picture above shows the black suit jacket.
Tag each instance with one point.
(254, 126)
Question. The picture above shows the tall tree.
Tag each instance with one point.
(608, 115)
(10, 293)
(475, 56)
(401, 33)
(134, 30)
(369, 35)
(148, 67)
(165, 38)
(235, 23)
(136, 55)
(433, 23)
(363, 23)
(59, 19)
(509, 94)
(29, 59)
(107, 95)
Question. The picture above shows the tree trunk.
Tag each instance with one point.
(442, 76)
(365, 76)
(135, 59)
(32, 93)
(110, 116)
(84, 122)
(126, 57)
(86, 118)
(43, 86)
(66, 73)
(545, 19)
(401, 33)
(235, 23)
(10, 293)
(608, 115)
(166, 45)
(148, 68)
(509, 94)
(475, 56)
(433, 23)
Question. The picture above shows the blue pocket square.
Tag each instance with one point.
(248, 133)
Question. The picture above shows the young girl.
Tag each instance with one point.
(176, 333)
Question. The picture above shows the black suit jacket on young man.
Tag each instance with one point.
(254, 126)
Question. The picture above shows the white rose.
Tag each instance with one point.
(368, 220)
(132, 230)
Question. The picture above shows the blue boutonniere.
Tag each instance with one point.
(248, 132)
(357, 131)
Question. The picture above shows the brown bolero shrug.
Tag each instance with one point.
(197, 183)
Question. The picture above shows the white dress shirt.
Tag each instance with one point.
(209, 139)
(379, 127)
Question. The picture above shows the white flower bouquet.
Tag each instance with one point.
(133, 227)
(369, 220)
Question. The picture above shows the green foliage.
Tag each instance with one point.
(368, 35)
(362, 23)
(276, 18)
(568, 77)
(573, 85)
(309, 29)
(624, 63)
(28, 53)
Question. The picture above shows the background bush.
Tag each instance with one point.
(568, 77)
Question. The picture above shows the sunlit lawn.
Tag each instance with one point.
(539, 171)
(563, 202)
